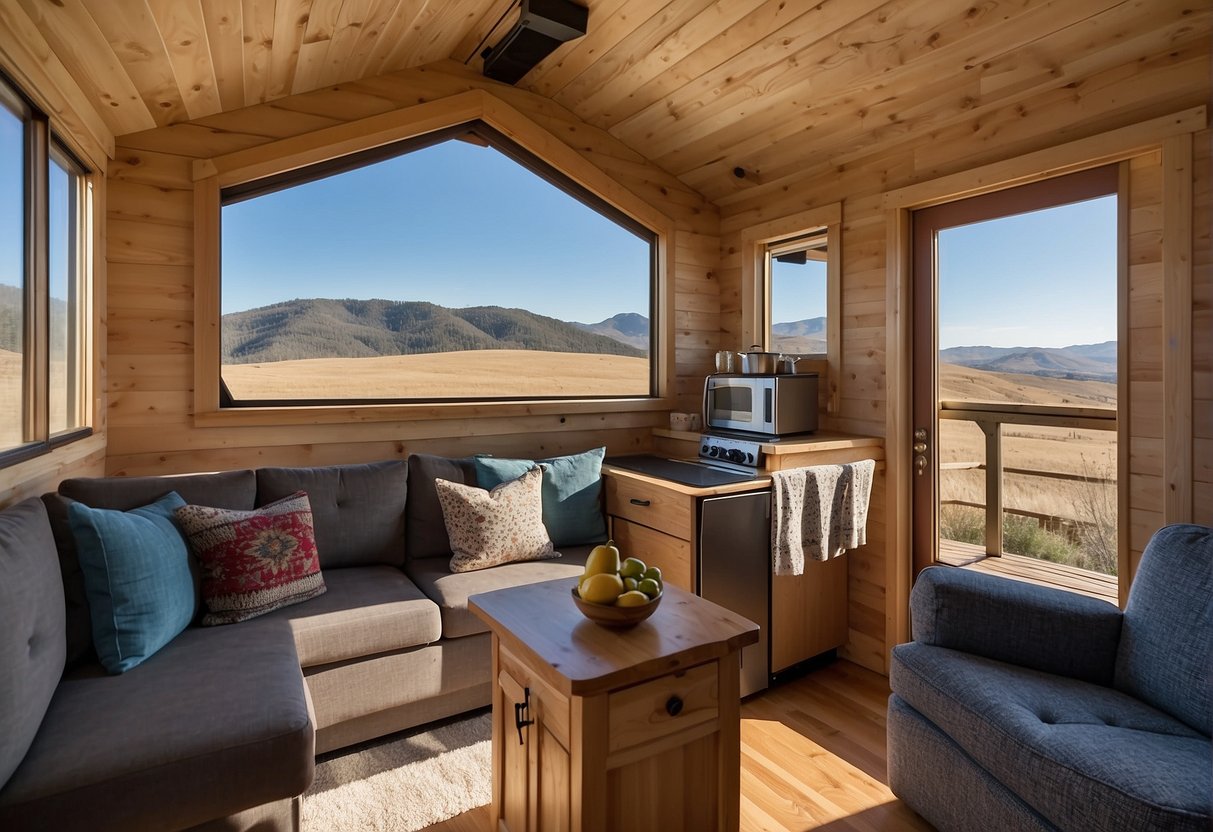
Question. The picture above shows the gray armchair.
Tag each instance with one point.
(1019, 707)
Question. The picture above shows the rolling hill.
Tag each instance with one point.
(324, 328)
(629, 328)
(1091, 362)
(806, 337)
(11, 311)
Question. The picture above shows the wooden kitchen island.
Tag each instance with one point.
(597, 729)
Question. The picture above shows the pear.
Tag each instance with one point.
(602, 588)
(603, 558)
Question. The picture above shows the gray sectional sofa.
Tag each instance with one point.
(220, 728)
(1019, 707)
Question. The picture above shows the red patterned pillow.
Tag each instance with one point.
(254, 561)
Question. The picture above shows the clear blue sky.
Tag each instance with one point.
(455, 224)
(11, 227)
(798, 291)
(1042, 279)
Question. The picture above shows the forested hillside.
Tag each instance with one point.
(323, 328)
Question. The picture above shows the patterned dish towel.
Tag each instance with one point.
(818, 512)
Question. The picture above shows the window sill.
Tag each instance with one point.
(1030, 570)
(337, 414)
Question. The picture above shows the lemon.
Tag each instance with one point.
(632, 599)
(632, 568)
(603, 558)
(649, 587)
(602, 588)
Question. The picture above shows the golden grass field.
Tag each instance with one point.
(1083, 452)
(10, 398)
(466, 374)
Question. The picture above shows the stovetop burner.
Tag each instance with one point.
(698, 474)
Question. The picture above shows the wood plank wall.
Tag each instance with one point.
(151, 293)
(1037, 118)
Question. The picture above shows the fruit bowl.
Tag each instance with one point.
(619, 618)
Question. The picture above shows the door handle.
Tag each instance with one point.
(920, 448)
(520, 713)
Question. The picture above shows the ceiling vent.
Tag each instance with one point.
(542, 26)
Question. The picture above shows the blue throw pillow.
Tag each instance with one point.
(141, 591)
(572, 490)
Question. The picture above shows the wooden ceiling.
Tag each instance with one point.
(701, 87)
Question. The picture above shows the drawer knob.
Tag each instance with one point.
(673, 705)
(638, 502)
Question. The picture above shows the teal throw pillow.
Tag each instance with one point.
(136, 566)
(572, 491)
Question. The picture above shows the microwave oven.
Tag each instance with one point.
(769, 405)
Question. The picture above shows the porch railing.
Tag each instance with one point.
(990, 417)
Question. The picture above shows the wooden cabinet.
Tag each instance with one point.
(654, 521)
(657, 520)
(597, 729)
(808, 612)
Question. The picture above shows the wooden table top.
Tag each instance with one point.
(581, 658)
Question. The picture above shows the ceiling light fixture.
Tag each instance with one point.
(542, 26)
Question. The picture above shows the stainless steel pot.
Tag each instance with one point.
(756, 362)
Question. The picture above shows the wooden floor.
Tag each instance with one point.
(1032, 570)
(812, 757)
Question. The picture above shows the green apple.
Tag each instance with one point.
(632, 568)
(649, 587)
(653, 573)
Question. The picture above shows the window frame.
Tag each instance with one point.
(227, 172)
(506, 147)
(757, 242)
(41, 143)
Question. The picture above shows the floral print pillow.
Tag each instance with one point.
(254, 561)
(489, 528)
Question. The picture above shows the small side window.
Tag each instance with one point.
(797, 282)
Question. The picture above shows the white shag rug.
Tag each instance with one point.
(404, 782)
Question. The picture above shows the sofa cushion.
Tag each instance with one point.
(228, 489)
(255, 561)
(490, 528)
(367, 610)
(572, 492)
(424, 530)
(31, 627)
(1082, 755)
(358, 510)
(216, 722)
(138, 576)
(1166, 642)
(450, 590)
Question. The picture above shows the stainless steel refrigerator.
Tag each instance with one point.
(735, 570)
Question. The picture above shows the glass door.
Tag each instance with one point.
(1015, 379)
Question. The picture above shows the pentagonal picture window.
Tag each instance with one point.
(451, 267)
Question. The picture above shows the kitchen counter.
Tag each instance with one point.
(821, 448)
(756, 484)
